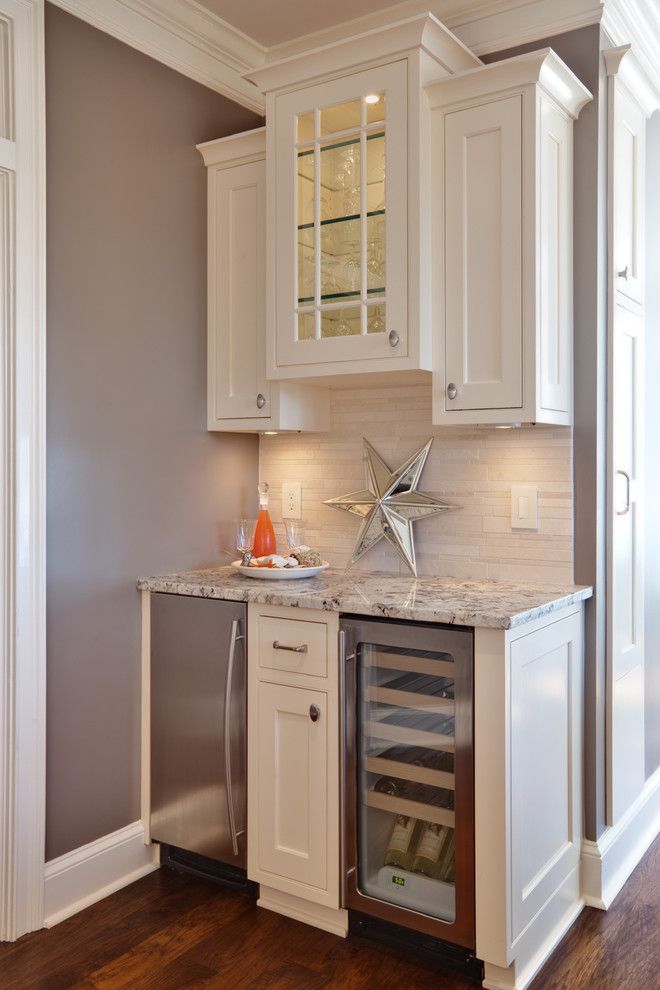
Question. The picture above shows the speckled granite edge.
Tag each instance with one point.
(490, 604)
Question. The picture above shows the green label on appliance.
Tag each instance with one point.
(399, 881)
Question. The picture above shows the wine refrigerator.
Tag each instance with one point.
(408, 779)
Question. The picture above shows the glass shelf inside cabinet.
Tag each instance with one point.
(406, 821)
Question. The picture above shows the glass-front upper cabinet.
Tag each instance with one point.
(341, 223)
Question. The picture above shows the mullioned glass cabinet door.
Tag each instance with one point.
(341, 220)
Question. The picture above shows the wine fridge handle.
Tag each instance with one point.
(235, 637)
(346, 760)
(342, 764)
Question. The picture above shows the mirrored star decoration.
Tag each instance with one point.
(390, 504)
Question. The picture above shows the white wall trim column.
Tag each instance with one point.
(22, 468)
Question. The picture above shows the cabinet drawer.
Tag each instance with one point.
(290, 635)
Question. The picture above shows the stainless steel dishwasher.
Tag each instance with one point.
(198, 733)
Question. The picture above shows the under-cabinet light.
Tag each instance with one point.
(372, 98)
(270, 433)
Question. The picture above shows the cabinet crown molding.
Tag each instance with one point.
(543, 68)
(421, 32)
(234, 147)
(623, 63)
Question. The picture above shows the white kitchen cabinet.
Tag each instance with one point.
(240, 398)
(349, 280)
(293, 763)
(502, 252)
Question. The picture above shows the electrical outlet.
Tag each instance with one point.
(524, 507)
(291, 500)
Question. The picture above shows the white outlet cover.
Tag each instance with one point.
(291, 500)
(524, 507)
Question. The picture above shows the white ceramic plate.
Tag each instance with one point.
(278, 573)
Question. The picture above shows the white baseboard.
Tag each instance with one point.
(607, 863)
(86, 875)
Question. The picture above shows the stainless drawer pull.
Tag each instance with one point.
(291, 649)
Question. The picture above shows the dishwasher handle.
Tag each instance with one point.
(236, 635)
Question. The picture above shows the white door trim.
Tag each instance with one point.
(22, 475)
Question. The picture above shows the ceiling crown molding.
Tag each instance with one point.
(192, 40)
(184, 36)
(622, 63)
(483, 25)
(636, 23)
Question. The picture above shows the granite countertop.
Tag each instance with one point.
(494, 604)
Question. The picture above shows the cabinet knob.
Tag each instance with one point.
(314, 712)
(452, 391)
(261, 401)
(393, 338)
(623, 273)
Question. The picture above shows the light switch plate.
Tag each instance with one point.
(524, 507)
(291, 500)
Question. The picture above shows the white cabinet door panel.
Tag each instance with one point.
(628, 173)
(545, 765)
(293, 782)
(555, 275)
(238, 319)
(626, 561)
(483, 274)
(627, 547)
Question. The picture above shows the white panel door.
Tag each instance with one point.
(237, 293)
(628, 168)
(483, 269)
(626, 559)
(293, 783)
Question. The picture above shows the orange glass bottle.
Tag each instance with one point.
(264, 534)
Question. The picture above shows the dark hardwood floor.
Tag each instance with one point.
(168, 932)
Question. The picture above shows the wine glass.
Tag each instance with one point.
(245, 538)
(295, 532)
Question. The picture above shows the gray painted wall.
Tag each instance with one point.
(581, 51)
(652, 368)
(135, 483)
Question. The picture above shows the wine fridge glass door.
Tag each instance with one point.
(406, 778)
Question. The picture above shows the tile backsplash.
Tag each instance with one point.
(471, 467)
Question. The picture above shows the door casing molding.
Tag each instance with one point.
(22, 476)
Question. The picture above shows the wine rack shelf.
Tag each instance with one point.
(414, 664)
(428, 703)
(409, 771)
(409, 736)
(414, 809)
